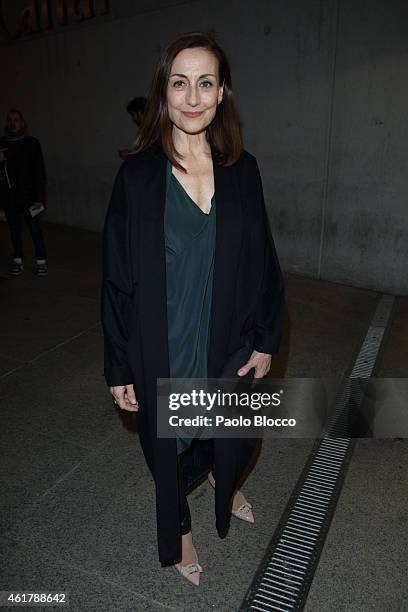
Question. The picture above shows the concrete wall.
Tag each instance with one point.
(322, 92)
(365, 238)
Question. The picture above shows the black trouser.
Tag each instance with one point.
(185, 520)
(193, 464)
(14, 219)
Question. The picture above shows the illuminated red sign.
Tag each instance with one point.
(24, 18)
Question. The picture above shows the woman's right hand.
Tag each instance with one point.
(125, 398)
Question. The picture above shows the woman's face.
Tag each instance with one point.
(193, 90)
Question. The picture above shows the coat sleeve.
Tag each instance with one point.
(271, 299)
(117, 286)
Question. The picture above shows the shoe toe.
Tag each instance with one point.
(191, 576)
(244, 513)
(249, 517)
(194, 578)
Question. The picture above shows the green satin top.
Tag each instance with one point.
(190, 248)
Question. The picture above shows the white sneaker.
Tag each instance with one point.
(16, 268)
(41, 268)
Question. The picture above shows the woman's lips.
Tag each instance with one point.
(196, 114)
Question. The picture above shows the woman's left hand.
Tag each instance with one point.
(260, 361)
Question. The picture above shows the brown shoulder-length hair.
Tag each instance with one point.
(224, 132)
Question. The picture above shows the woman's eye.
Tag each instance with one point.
(206, 84)
(178, 83)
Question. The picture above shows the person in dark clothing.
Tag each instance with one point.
(136, 109)
(192, 287)
(22, 189)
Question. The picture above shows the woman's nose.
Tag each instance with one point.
(193, 97)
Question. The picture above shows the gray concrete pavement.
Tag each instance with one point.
(77, 502)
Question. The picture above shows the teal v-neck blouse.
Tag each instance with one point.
(190, 248)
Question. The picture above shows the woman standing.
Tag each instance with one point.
(192, 286)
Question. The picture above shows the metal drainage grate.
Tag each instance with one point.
(285, 574)
(352, 391)
(367, 356)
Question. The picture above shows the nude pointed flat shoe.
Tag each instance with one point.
(191, 571)
(244, 512)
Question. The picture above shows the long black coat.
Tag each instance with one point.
(247, 302)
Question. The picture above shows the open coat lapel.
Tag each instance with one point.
(152, 309)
